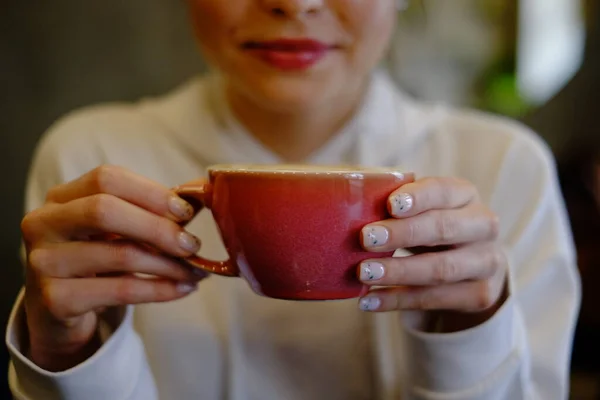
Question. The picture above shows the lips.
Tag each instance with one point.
(288, 45)
(289, 54)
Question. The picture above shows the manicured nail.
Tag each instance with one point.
(401, 203)
(371, 271)
(375, 236)
(369, 303)
(189, 242)
(180, 208)
(186, 288)
(199, 272)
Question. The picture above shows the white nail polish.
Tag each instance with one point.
(375, 236)
(370, 303)
(371, 271)
(180, 208)
(402, 203)
(189, 242)
(186, 288)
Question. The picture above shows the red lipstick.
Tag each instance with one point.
(289, 54)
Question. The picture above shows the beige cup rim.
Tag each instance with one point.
(301, 169)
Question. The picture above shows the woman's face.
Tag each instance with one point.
(290, 54)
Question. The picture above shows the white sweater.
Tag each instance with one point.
(225, 342)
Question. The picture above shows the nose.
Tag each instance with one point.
(293, 8)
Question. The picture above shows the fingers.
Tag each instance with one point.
(478, 262)
(467, 279)
(434, 213)
(430, 194)
(432, 228)
(126, 185)
(470, 296)
(88, 259)
(79, 262)
(105, 213)
(70, 298)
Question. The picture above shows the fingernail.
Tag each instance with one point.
(198, 272)
(189, 242)
(375, 236)
(401, 203)
(180, 208)
(369, 303)
(371, 271)
(186, 287)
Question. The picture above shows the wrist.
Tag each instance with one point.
(63, 359)
(56, 348)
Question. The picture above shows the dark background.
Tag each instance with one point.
(62, 54)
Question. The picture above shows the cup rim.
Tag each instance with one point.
(305, 169)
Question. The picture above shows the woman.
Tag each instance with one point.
(487, 313)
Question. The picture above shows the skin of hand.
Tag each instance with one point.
(458, 269)
(105, 240)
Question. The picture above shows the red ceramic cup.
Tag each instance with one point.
(293, 232)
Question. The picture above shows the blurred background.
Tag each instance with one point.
(534, 60)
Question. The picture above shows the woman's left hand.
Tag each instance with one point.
(467, 276)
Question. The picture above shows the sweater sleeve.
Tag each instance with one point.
(119, 369)
(523, 351)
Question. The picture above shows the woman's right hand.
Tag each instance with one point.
(74, 271)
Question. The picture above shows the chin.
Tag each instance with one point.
(290, 93)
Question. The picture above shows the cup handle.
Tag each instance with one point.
(200, 196)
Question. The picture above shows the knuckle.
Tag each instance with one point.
(446, 228)
(98, 209)
(128, 291)
(496, 257)
(123, 255)
(497, 260)
(51, 194)
(484, 299)
(446, 270)
(410, 233)
(427, 300)
(39, 260)
(425, 196)
(446, 189)
(466, 186)
(494, 226)
(125, 292)
(53, 299)
(30, 224)
(105, 176)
